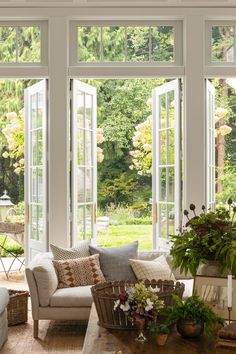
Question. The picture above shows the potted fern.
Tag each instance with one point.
(192, 317)
(159, 332)
(208, 237)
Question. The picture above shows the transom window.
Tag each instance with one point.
(158, 42)
(22, 43)
(220, 43)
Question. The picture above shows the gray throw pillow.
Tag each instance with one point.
(114, 261)
(80, 250)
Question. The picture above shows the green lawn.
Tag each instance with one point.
(117, 235)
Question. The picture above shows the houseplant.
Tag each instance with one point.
(210, 236)
(140, 304)
(192, 317)
(159, 332)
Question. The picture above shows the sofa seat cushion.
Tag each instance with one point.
(188, 290)
(79, 296)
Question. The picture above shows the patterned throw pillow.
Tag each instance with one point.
(79, 272)
(156, 269)
(81, 250)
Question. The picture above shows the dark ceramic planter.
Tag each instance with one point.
(190, 328)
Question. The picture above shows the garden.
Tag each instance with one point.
(124, 152)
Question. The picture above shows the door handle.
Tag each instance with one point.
(155, 213)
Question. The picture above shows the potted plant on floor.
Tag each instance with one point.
(159, 332)
(192, 317)
(206, 238)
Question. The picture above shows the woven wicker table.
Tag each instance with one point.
(103, 341)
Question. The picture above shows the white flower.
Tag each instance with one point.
(224, 130)
(125, 307)
(5, 154)
(116, 304)
(154, 290)
(220, 113)
(17, 170)
(140, 173)
(11, 115)
(149, 305)
(131, 167)
(149, 102)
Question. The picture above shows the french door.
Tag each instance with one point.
(166, 180)
(210, 143)
(84, 161)
(35, 169)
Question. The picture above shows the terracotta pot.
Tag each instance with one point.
(210, 268)
(161, 339)
(190, 328)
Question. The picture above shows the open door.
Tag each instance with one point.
(84, 161)
(166, 183)
(210, 143)
(36, 169)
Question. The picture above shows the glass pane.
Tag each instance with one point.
(171, 220)
(29, 45)
(34, 189)
(40, 184)
(88, 147)
(7, 44)
(34, 222)
(89, 184)
(163, 184)
(33, 111)
(80, 109)
(80, 220)
(89, 43)
(222, 44)
(138, 43)
(171, 184)
(162, 41)
(40, 147)
(34, 148)
(171, 112)
(40, 110)
(171, 147)
(81, 185)
(162, 105)
(163, 220)
(114, 44)
(81, 147)
(163, 147)
(88, 111)
(40, 221)
(89, 217)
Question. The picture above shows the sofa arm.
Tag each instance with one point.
(33, 293)
(4, 299)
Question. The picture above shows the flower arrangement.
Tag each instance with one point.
(210, 236)
(139, 302)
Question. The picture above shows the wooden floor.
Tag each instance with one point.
(54, 337)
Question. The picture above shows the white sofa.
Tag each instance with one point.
(4, 299)
(51, 303)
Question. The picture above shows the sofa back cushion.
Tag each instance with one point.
(45, 277)
(80, 250)
(115, 261)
